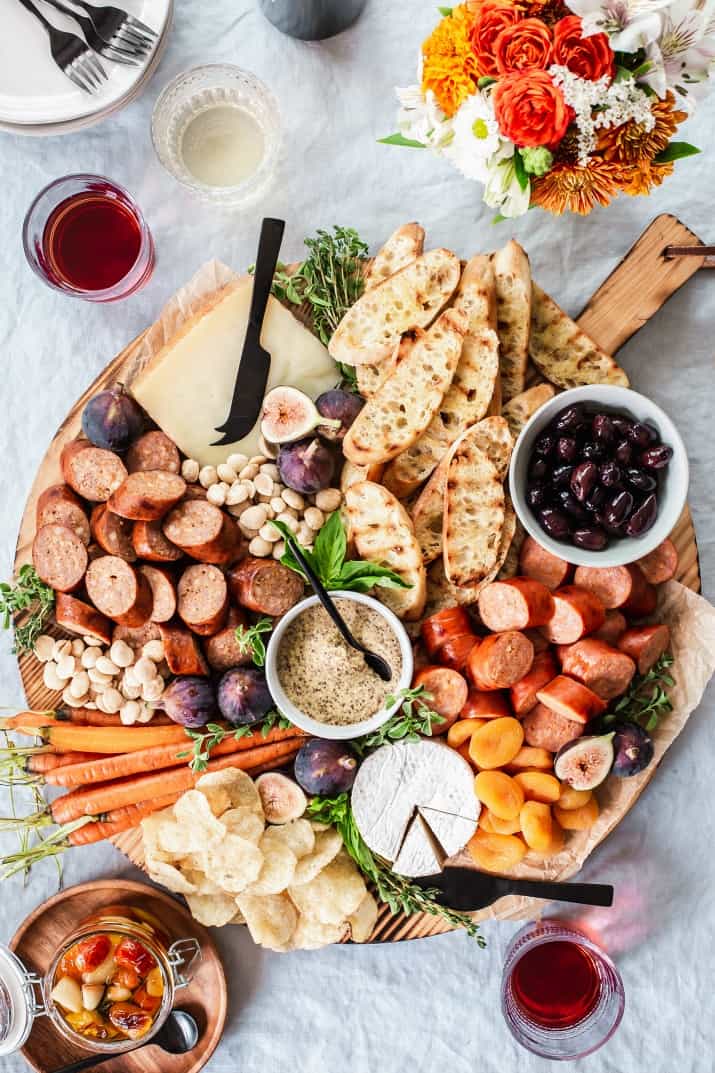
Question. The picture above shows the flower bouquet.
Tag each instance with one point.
(559, 104)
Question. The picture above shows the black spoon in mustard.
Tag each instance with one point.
(178, 1035)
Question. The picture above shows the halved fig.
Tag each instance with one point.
(282, 799)
(288, 414)
(633, 748)
(585, 762)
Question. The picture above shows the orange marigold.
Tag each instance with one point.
(549, 11)
(641, 178)
(573, 188)
(631, 143)
(449, 66)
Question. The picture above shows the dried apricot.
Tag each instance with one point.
(571, 799)
(577, 819)
(536, 825)
(496, 853)
(463, 750)
(531, 756)
(496, 826)
(558, 839)
(462, 731)
(497, 743)
(500, 793)
(539, 786)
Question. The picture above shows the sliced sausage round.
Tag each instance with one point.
(523, 693)
(112, 533)
(542, 565)
(615, 586)
(163, 593)
(181, 651)
(645, 644)
(119, 591)
(500, 660)
(75, 616)
(150, 543)
(546, 729)
(154, 450)
(660, 564)
(577, 611)
(515, 604)
(59, 557)
(203, 598)
(223, 650)
(204, 532)
(137, 636)
(454, 653)
(92, 472)
(265, 586)
(147, 495)
(612, 628)
(61, 505)
(571, 699)
(597, 665)
(492, 705)
(443, 626)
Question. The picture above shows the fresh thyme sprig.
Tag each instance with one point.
(646, 701)
(206, 739)
(250, 641)
(414, 719)
(31, 595)
(396, 891)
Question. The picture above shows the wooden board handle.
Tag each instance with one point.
(640, 284)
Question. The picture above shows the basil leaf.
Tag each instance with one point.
(329, 548)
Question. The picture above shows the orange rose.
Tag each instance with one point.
(530, 109)
(492, 19)
(588, 57)
(523, 45)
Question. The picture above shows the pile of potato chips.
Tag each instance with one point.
(293, 884)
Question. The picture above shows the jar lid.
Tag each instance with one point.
(16, 1002)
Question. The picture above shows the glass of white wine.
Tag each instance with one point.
(216, 129)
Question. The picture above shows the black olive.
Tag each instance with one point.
(561, 475)
(656, 457)
(583, 479)
(555, 523)
(567, 448)
(610, 474)
(544, 445)
(603, 428)
(642, 519)
(590, 537)
(639, 480)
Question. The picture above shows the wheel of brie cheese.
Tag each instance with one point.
(414, 804)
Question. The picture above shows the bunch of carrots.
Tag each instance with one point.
(117, 775)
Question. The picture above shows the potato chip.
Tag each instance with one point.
(234, 863)
(213, 910)
(193, 813)
(204, 884)
(271, 918)
(238, 918)
(218, 799)
(171, 878)
(278, 865)
(237, 784)
(298, 835)
(327, 845)
(362, 922)
(312, 935)
(333, 894)
(150, 828)
(243, 821)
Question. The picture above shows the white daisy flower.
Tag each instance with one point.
(476, 138)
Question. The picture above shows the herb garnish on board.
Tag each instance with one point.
(250, 641)
(213, 734)
(28, 594)
(646, 701)
(413, 720)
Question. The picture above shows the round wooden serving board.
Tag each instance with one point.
(636, 289)
(36, 943)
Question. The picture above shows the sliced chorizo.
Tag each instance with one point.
(223, 650)
(571, 699)
(59, 557)
(612, 628)
(661, 564)
(150, 543)
(454, 653)
(443, 626)
(538, 640)
(204, 532)
(181, 651)
(642, 601)
(519, 603)
(59, 504)
(645, 644)
(615, 586)
(119, 591)
(523, 693)
(599, 666)
(492, 705)
(446, 693)
(163, 592)
(203, 598)
(147, 495)
(154, 450)
(500, 660)
(577, 611)
(75, 616)
(542, 565)
(137, 636)
(112, 533)
(546, 729)
(92, 472)
(265, 585)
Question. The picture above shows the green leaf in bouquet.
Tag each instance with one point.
(676, 151)
(400, 139)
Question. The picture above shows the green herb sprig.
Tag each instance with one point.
(413, 720)
(250, 642)
(396, 891)
(28, 594)
(646, 701)
(206, 739)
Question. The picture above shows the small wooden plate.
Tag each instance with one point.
(36, 942)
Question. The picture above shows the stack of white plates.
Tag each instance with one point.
(36, 98)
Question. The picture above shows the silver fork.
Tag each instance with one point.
(118, 50)
(71, 54)
(115, 25)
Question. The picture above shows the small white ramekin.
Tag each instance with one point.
(672, 484)
(302, 719)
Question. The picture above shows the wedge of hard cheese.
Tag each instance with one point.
(188, 385)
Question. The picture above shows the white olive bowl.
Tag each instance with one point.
(672, 482)
(303, 719)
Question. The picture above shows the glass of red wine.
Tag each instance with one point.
(85, 236)
(561, 995)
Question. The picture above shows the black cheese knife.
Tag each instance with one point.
(255, 363)
(467, 890)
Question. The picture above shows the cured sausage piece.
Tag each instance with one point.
(485, 706)
(119, 591)
(454, 653)
(643, 599)
(204, 532)
(203, 599)
(660, 564)
(60, 505)
(602, 668)
(515, 604)
(92, 472)
(59, 557)
(223, 650)
(612, 628)
(182, 652)
(645, 644)
(265, 586)
(577, 611)
(75, 616)
(112, 533)
(546, 729)
(615, 586)
(542, 565)
(162, 591)
(537, 639)
(571, 699)
(500, 660)
(150, 543)
(195, 491)
(154, 450)
(523, 693)
(443, 626)
(137, 636)
(447, 693)
(147, 495)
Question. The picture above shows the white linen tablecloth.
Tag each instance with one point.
(431, 1004)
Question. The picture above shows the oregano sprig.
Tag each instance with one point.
(30, 594)
(646, 701)
(413, 720)
(208, 737)
(251, 643)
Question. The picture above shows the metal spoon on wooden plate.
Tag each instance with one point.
(178, 1035)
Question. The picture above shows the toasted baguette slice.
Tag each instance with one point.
(391, 421)
(370, 378)
(440, 593)
(352, 474)
(522, 407)
(402, 247)
(513, 287)
(563, 352)
(382, 532)
(472, 387)
(469, 594)
(510, 562)
(473, 514)
(411, 298)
